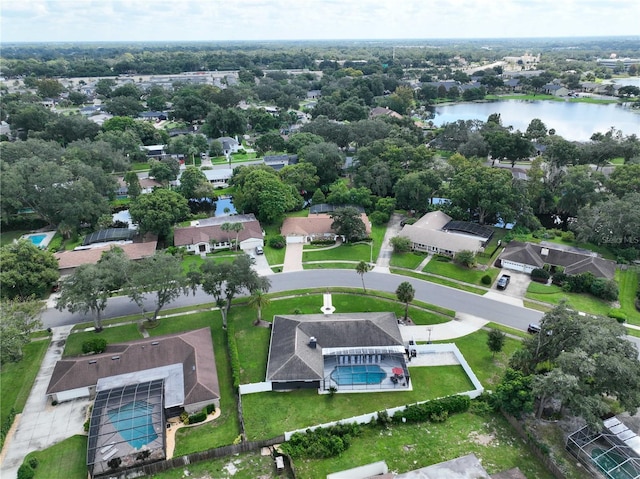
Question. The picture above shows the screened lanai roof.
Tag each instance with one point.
(366, 350)
(127, 427)
(111, 234)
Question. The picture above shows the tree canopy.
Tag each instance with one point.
(27, 271)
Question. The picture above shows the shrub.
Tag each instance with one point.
(86, 425)
(184, 416)
(618, 315)
(323, 242)
(556, 232)
(234, 355)
(277, 242)
(434, 410)
(114, 463)
(95, 345)
(25, 471)
(465, 258)
(568, 236)
(379, 217)
(197, 417)
(559, 279)
(321, 442)
(400, 244)
(33, 462)
(210, 408)
(383, 419)
(142, 455)
(540, 275)
(606, 289)
(486, 279)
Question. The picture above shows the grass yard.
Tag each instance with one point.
(405, 447)
(324, 265)
(451, 270)
(116, 334)
(344, 252)
(244, 466)
(409, 260)
(7, 237)
(16, 379)
(65, 460)
(222, 256)
(628, 284)
(274, 255)
(140, 166)
(553, 294)
(437, 280)
(488, 369)
(508, 330)
(272, 413)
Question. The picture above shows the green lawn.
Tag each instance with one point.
(405, 447)
(435, 279)
(274, 255)
(272, 413)
(65, 460)
(628, 284)
(553, 294)
(140, 166)
(408, 260)
(116, 334)
(7, 237)
(450, 270)
(222, 256)
(344, 252)
(324, 265)
(16, 379)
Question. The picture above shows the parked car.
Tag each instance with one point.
(503, 282)
(533, 328)
(259, 250)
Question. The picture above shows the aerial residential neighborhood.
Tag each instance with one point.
(248, 254)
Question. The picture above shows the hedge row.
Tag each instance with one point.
(436, 411)
(234, 357)
(321, 442)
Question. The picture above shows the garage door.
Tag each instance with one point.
(295, 239)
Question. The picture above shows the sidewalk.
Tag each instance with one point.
(42, 425)
(462, 325)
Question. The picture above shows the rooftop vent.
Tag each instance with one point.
(544, 252)
(113, 358)
(155, 343)
(313, 342)
(93, 361)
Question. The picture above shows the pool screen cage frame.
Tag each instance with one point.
(105, 441)
(386, 357)
(581, 443)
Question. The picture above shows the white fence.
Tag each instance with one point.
(421, 349)
(255, 387)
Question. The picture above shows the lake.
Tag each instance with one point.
(572, 121)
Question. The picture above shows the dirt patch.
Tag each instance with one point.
(481, 439)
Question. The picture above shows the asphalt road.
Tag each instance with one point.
(451, 298)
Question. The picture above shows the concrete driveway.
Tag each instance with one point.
(293, 258)
(515, 291)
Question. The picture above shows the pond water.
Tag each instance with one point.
(572, 121)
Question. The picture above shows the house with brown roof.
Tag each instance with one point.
(68, 261)
(316, 226)
(526, 257)
(384, 111)
(317, 351)
(207, 235)
(437, 233)
(185, 362)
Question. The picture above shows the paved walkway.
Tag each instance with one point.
(42, 425)
(424, 262)
(393, 229)
(462, 325)
(292, 258)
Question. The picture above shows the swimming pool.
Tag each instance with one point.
(224, 206)
(359, 374)
(37, 239)
(134, 423)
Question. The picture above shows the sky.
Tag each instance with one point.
(233, 20)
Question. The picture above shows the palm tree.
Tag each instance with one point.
(236, 227)
(259, 300)
(362, 268)
(405, 294)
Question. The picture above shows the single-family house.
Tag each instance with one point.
(154, 151)
(437, 233)
(139, 382)
(314, 227)
(153, 115)
(313, 94)
(207, 235)
(219, 177)
(526, 257)
(555, 90)
(68, 261)
(318, 351)
(384, 111)
(229, 145)
(277, 162)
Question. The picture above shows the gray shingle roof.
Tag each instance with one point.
(290, 356)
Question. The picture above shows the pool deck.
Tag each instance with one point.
(48, 236)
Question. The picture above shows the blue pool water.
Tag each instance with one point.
(37, 239)
(225, 203)
(359, 374)
(133, 422)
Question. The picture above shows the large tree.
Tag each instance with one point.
(86, 290)
(27, 271)
(415, 190)
(160, 275)
(327, 159)
(158, 211)
(19, 319)
(587, 360)
(615, 221)
(261, 192)
(347, 222)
